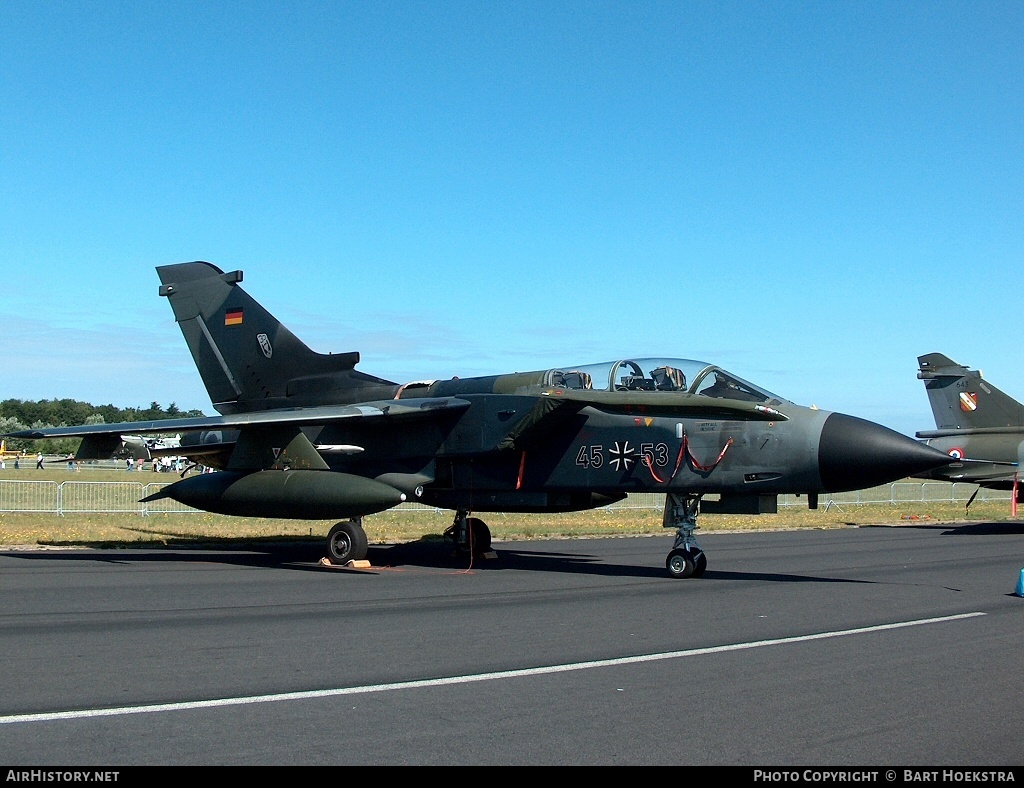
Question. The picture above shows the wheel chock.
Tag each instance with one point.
(348, 565)
(489, 554)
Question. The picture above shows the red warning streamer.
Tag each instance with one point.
(700, 467)
(684, 449)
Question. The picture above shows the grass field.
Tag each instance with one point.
(119, 530)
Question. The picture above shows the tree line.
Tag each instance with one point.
(17, 414)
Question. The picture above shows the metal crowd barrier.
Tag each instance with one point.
(84, 497)
(80, 497)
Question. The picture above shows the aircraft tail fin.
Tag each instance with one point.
(248, 360)
(961, 399)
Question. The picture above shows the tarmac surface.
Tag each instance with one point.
(867, 647)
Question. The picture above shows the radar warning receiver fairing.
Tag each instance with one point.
(305, 435)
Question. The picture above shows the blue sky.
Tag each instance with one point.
(810, 194)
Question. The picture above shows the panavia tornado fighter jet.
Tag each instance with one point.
(305, 435)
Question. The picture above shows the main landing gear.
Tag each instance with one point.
(470, 534)
(346, 542)
(686, 558)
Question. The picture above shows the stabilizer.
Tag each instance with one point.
(960, 399)
(248, 360)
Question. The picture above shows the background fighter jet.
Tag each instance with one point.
(305, 435)
(142, 448)
(976, 424)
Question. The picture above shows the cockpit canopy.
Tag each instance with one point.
(660, 374)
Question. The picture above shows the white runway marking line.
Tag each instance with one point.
(503, 674)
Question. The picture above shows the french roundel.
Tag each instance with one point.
(956, 453)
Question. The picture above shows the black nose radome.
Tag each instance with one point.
(854, 454)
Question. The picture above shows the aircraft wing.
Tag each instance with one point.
(102, 440)
(406, 408)
(983, 473)
(556, 405)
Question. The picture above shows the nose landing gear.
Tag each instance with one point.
(686, 558)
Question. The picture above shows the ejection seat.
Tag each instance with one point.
(668, 379)
(577, 380)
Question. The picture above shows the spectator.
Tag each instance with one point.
(39, 461)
